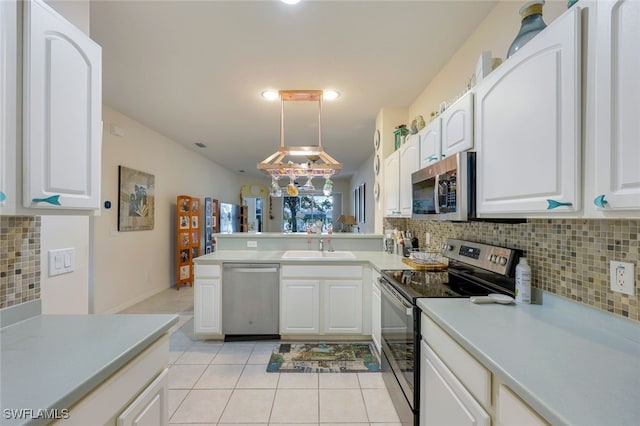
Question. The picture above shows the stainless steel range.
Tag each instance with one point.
(475, 269)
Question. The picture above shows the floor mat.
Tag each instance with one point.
(323, 358)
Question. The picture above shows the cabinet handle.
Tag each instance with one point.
(51, 200)
(553, 204)
(3, 197)
(600, 201)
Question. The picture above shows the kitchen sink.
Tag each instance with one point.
(317, 254)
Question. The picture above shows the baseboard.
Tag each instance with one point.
(136, 300)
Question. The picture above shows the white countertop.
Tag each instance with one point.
(378, 259)
(571, 363)
(53, 361)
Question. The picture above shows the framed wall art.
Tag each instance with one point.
(135, 200)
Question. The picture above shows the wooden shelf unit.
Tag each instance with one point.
(188, 238)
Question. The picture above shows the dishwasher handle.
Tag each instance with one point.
(250, 267)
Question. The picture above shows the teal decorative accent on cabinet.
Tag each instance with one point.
(554, 204)
(600, 201)
(54, 199)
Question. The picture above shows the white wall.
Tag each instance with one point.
(66, 293)
(131, 266)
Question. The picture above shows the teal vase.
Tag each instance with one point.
(532, 24)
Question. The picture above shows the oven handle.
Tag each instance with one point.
(394, 298)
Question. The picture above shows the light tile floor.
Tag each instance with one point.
(218, 384)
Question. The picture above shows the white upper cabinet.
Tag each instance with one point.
(8, 83)
(392, 184)
(527, 127)
(62, 128)
(430, 147)
(409, 163)
(617, 103)
(457, 126)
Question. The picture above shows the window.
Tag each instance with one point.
(303, 211)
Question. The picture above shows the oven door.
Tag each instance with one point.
(398, 339)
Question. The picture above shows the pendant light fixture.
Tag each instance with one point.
(301, 161)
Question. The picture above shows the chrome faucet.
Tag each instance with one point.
(321, 248)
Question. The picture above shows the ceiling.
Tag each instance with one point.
(194, 70)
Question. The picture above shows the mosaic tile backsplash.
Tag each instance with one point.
(19, 260)
(569, 257)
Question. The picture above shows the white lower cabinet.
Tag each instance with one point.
(443, 398)
(321, 299)
(376, 312)
(151, 407)
(207, 301)
(456, 389)
(137, 394)
(342, 306)
(299, 306)
(512, 411)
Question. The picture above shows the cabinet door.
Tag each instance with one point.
(511, 410)
(392, 184)
(300, 307)
(457, 126)
(430, 148)
(443, 399)
(376, 317)
(617, 105)
(151, 407)
(8, 143)
(62, 128)
(409, 163)
(528, 126)
(207, 310)
(342, 304)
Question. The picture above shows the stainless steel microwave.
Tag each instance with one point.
(445, 190)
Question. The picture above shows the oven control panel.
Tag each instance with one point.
(500, 260)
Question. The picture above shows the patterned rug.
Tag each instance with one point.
(323, 358)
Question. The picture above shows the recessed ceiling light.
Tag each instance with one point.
(270, 95)
(290, 1)
(330, 95)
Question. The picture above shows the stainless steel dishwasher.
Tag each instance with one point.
(250, 299)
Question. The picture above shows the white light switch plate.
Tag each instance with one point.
(622, 276)
(61, 261)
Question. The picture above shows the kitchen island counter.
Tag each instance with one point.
(571, 363)
(377, 259)
(53, 361)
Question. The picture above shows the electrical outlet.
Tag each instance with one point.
(252, 244)
(622, 277)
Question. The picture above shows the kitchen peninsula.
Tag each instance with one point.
(325, 281)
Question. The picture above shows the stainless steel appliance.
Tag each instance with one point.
(445, 190)
(250, 296)
(475, 269)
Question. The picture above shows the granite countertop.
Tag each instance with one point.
(378, 259)
(53, 361)
(571, 363)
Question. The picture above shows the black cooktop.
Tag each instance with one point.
(413, 284)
